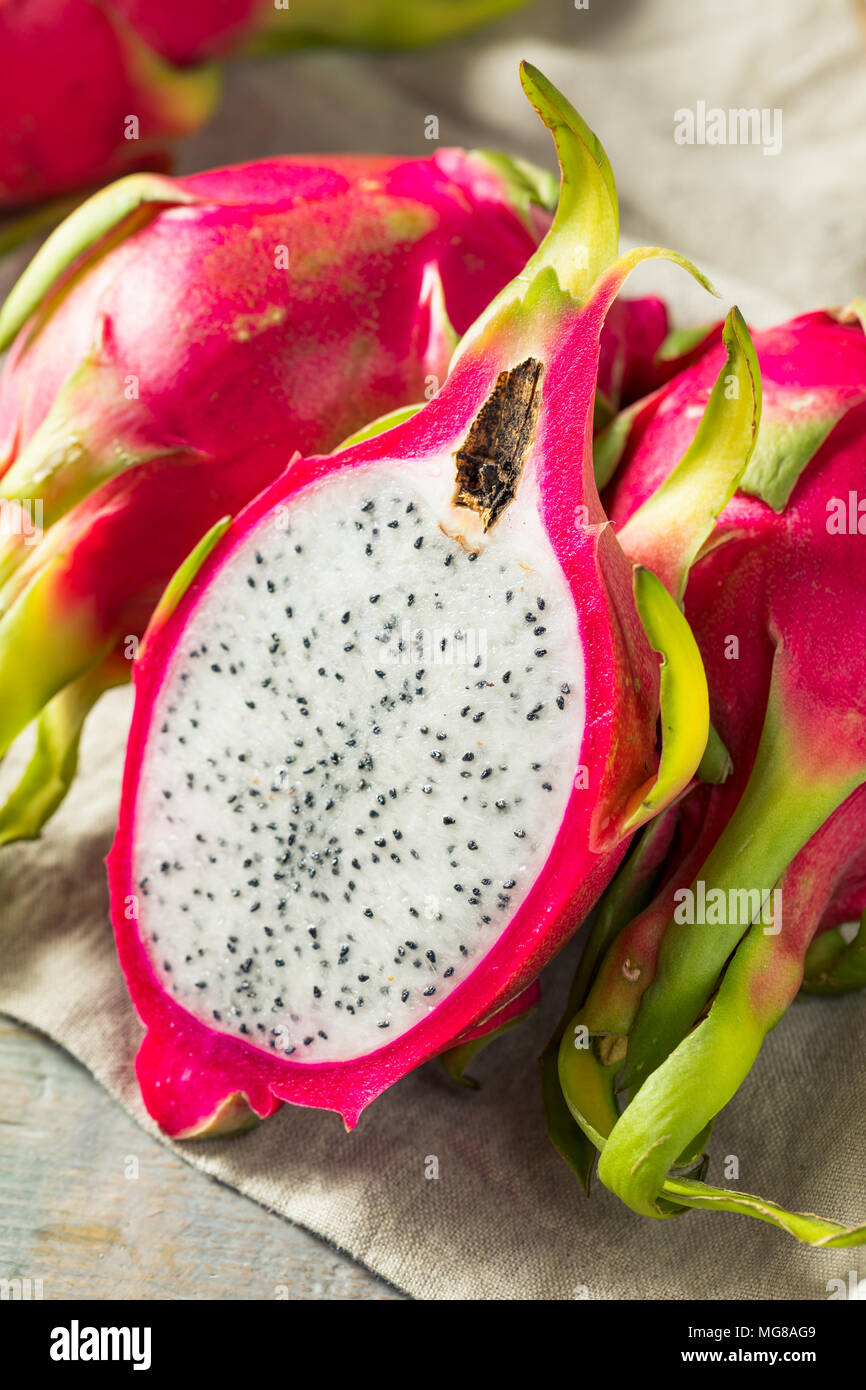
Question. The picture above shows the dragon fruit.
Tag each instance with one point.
(54, 136)
(91, 89)
(640, 352)
(392, 734)
(195, 31)
(212, 28)
(720, 913)
(178, 341)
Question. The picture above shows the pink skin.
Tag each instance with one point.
(768, 579)
(509, 1013)
(185, 1069)
(849, 899)
(71, 70)
(634, 332)
(802, 568)
(195, 30)
(824, 886)
(810, 366)
(197, 310)
(629, 366)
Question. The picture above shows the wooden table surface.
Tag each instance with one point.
(96, 1208)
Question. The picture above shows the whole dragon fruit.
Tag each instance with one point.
(723, 909)
(197, 30)
(84, 97)
(177, 342)
(639, 353)
(92, 89)
(391, 740)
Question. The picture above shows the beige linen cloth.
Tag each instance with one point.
(504, 1219)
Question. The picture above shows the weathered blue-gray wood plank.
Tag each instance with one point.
(97, 1209)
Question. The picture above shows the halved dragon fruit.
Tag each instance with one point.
(716, 920)
(392, 735)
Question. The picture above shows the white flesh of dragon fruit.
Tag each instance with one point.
(336, 823)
